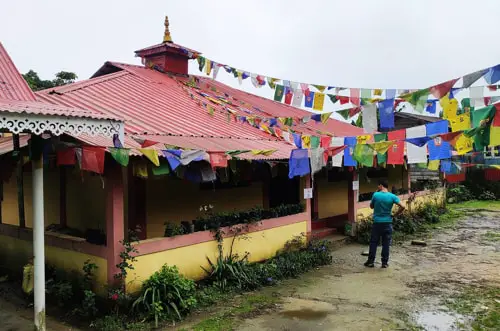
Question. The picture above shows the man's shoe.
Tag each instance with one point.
(385, 265)
(369, 264)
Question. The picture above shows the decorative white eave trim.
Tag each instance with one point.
(57, 125)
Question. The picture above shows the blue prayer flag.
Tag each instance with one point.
(172, 158)
(273, 121)
(493, 74)
(453, 91)
(309, 100)
(431, 106)
(446, 166)
(439, 149)
(297, 139)
(420, 141)
(435, 128)
(349, 161)
(316, 117)
(298, 165)
(386, 111)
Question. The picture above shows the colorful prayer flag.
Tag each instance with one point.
(370, 118)
(325, 141)
(288, 96)
(366, 93)
(440, 90)
(121, 155)
(278, 93)
(436, 128)
(320, 88)
(333, 98)
(481, 120)
(93, 159)
(377, 92)
(305, 89)
(66, 156)
(315, 141)
(298, 164)
(349, 160)
(218, 159)
(386, 112)
(309, 100)
(337, 144)
(140, 169)
(354, 96)
(495, 128)
(162, 169)
(297, 139)
(416, 154)
(319, 100)
(306, 141)
(433, 165)
(460, 122)
(492, 75)
(463, 144)
(431, 106)
(151, 154)
(471, 78)
(395, 154)
(364, 155)
(439, 149)
(297, 98)
(381, 157)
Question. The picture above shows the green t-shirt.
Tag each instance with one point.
(382, 206)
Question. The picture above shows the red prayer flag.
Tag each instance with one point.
(492, 87)
(496, 119)
(487, 101)
(93, 159)
(450, 135)
(396, 153)
(288, 97)
(332, 151)
(354, 111)
(343, 99)
(66, 156)
(218, 159)
(442, 89)
(325, 141)
(355, 99)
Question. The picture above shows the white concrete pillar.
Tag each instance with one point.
(39, 244)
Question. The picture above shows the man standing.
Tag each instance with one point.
(382, 203)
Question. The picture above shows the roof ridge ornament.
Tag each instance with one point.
(167, 38)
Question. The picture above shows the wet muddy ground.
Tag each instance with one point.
(411, 295)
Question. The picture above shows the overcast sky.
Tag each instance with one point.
(364, 43)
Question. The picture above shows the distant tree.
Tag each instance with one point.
(37, 84)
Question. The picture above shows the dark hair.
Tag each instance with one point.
(384, 183)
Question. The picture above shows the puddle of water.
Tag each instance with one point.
(305, 314)
(438, 320)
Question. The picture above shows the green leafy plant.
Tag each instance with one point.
(108, 323)
(172, 230)
(60, 290)
(166, 295)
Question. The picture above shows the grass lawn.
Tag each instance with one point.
(476, 204)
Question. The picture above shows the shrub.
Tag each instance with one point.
(166, 295)
(108, 323)
(172, 230)
(459, 193)
(487, 195)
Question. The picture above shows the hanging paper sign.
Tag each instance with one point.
(355, 185)
(308, 193)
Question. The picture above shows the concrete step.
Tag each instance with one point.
(323, 232)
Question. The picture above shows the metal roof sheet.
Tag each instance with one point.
(12, 84)
(40, 108)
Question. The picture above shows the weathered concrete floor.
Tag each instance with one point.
(348, 296)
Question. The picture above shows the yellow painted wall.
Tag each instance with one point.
(174, 200)
(86, 200)
(332, 197)
(261, 245)
(435, 197)
(16, 253)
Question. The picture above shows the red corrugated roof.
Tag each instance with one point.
(12, 84)
(41, 108)
(161, 108)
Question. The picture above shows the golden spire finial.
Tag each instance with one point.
(166, 37)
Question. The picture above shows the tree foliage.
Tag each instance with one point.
(37, 84)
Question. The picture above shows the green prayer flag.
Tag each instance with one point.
(315, 141)
(162, 169)
(278, 93)
(325, 117)
(201, 62)
(344, 113)
(466, 106)
(236, 152)
(120, 155)
(363, 153)
(421, 103)
(333, 98)
(481, 120)
(366, 93)
(381, 158)
(414, 97)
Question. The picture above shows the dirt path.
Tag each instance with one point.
(410, 295)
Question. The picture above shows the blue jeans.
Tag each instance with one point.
(384, 231)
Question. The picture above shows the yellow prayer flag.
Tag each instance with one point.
(377, 91)
(214, 100)
(266, 152)
(265, 128)
(306, 141)
(463, 144)
(450, 107)
(460, 123)
(208, 67)
(140, 169)
(151, 154)
(382, 147)
(363, 139)
(433, 165)
(319, 100)
(320, 88)
(494, 136)
(496, 166)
